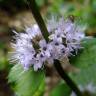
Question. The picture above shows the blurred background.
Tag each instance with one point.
(15, 15)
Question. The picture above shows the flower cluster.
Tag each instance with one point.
(31, 49)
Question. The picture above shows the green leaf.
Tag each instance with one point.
(86, 62)
(27, 83)
(61, 90)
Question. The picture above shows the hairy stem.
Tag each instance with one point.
(34, 8)
(66, 78)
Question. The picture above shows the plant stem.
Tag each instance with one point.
(34, 8)
(42, 26)
(66, 78)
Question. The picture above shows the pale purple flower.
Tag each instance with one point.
(64, 37)
(33, 31)
(68, 34)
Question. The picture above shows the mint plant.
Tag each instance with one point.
(40, 44)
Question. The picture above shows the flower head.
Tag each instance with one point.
(31, 49)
